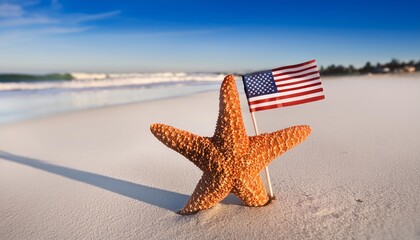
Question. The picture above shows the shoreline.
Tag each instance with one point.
(87, 108)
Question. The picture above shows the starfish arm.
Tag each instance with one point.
(230, 135)
(199, 150)
(211, 189)
(266, 147)
(251, 191)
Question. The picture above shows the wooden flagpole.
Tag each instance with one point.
(267, 173)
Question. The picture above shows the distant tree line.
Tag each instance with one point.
(393, 66)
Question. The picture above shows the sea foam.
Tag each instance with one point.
(101, 80)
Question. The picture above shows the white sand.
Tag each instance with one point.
(100, 174)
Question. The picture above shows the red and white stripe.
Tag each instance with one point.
(296, 84)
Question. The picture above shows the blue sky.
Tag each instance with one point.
(202, 35)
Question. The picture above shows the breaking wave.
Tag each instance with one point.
(80, 81)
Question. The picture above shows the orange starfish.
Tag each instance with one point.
(231, 161)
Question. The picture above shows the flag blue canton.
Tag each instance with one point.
(259, 83)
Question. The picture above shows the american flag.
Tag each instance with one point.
(283, 86)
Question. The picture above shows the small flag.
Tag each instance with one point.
(283, 86)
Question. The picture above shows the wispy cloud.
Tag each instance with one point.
(27, 21)
(23, 3)
(8, 10)
(93, 17)
(18, 18)
(13, 35)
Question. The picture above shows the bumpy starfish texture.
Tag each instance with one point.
(231, 161)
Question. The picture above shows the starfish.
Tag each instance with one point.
(231, 160)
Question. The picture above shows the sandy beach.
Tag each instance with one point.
(101, 174)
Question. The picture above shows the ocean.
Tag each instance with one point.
(23, 100)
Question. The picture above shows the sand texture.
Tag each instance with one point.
(101, 174)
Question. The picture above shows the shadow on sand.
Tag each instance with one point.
(161, 198)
